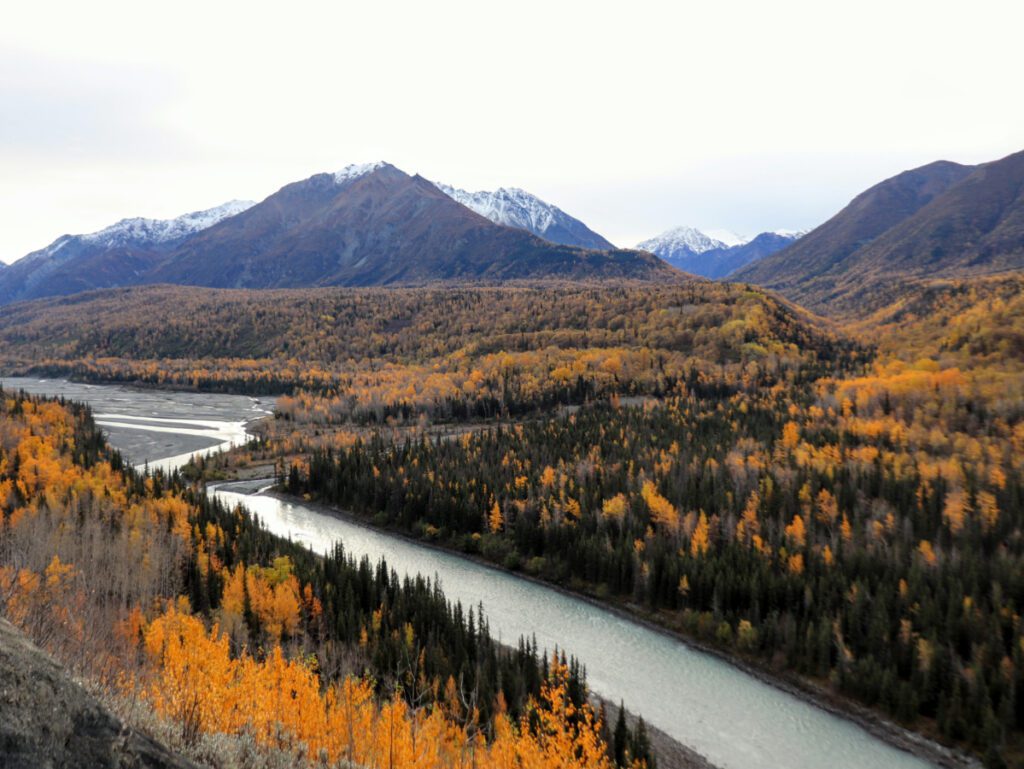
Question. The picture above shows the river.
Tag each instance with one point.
(731, 717)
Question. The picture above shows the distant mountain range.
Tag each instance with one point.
(514, 207)
(368, 224)
(940, 220)
(115, 256)
(696, 252)
(374, 224)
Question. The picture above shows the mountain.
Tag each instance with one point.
(940, 220)
(680, 243)
(696, 252)
(514, 207)
(377, 225)
(118, 255)
(736, 257)
(369, 224)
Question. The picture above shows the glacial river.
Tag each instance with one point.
(729, 716)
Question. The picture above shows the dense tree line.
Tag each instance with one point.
(407, 633)
(451, 353)
(863, 530)
(843, 507)
(142, 580)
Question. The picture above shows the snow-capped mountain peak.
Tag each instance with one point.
(794, 234)
(510, 206)
(680, 240)
(514, 207)
(138, 230)
(355, 170)
(692, 250)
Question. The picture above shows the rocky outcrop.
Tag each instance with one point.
(47, 721)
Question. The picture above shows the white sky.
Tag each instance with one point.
(633, 116)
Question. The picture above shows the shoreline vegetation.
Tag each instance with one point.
(809, 691)
(221, 627)
(670, 752)
(838, 503)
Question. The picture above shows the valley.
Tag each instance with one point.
(562, 385)
(801, 527)
(674, 680)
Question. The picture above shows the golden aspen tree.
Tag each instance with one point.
(954, 510)
(615, 507)
(701, 540)
(846, 529)
(796, 532)
(790, 435)
(495, 520)
(662, 511)
(927, 552)
(988, 510)
(828, 509)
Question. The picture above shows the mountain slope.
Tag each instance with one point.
(866, 217)
(693, 251)
(976, 227)
(514, 207)
(118, 255)
(942, 220)
(759, 247)
(368, 224)
(377, 226)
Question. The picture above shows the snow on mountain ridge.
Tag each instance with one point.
(691, 250)
(515, 207)
(681, 239)
(509, 206)
(728, 237)
(355, 170)
(141, 231)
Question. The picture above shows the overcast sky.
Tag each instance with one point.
(632, 116)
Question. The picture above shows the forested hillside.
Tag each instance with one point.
(863, 530)
(841, 506)
(846, 512)
(164, 598)
(442, 350)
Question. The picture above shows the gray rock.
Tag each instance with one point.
(47, 721)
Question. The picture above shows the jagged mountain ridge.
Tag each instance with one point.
(367, 224)
(114, 256)
(694, 251)
(514, 207)
(381, 227)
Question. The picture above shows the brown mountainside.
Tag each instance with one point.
(941, 220)
(382, 228)
(866, 217)
(376, 226)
